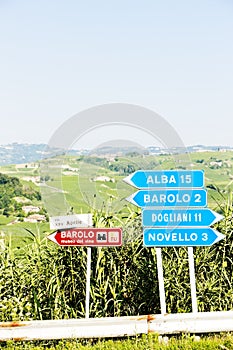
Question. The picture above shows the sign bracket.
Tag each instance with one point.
(192, 280)
(161, 281)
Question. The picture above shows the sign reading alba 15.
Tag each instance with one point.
(174, 208)
(143, 179)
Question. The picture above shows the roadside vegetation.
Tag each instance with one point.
(40, 280)
(144, 342)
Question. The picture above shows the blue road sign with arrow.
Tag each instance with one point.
(144, 179)
(169, 198)
(182, 217)
(180, 237)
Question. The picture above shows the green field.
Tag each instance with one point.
(77, 190)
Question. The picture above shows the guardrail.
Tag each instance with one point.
(203, 322)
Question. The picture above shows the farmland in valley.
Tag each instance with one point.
(94, 182)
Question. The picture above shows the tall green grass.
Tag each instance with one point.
(144, 342)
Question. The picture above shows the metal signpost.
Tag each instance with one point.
(68, 235)
(88, 283)
(174, 215)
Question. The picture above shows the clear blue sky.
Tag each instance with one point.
(60, 57)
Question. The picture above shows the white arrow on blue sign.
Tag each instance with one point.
(182, 217)
(144, 179)
(181, 237)
(169, 198)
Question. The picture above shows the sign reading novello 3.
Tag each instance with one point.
(176, 237)
(179, 217)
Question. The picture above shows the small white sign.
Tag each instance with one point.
(70, 221)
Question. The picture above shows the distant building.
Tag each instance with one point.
(69, 168)
(34, 179)
(217, 164)
(35, 218)
(104, 179)
(30, 209)
(22, 200)
(27, 165)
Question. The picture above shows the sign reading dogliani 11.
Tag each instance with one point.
(181, 237)
(180, 217)
(144, 179)
(169, 198)
(90, 237)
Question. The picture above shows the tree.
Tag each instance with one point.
(6, 212)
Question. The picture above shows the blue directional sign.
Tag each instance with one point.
(144, 179)
(180, 237)
(169, 198)
(182, 217)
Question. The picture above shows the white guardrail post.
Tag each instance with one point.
(203, 322)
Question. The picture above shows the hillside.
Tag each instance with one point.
(94, 181)
(17, 153)
(16, 199)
